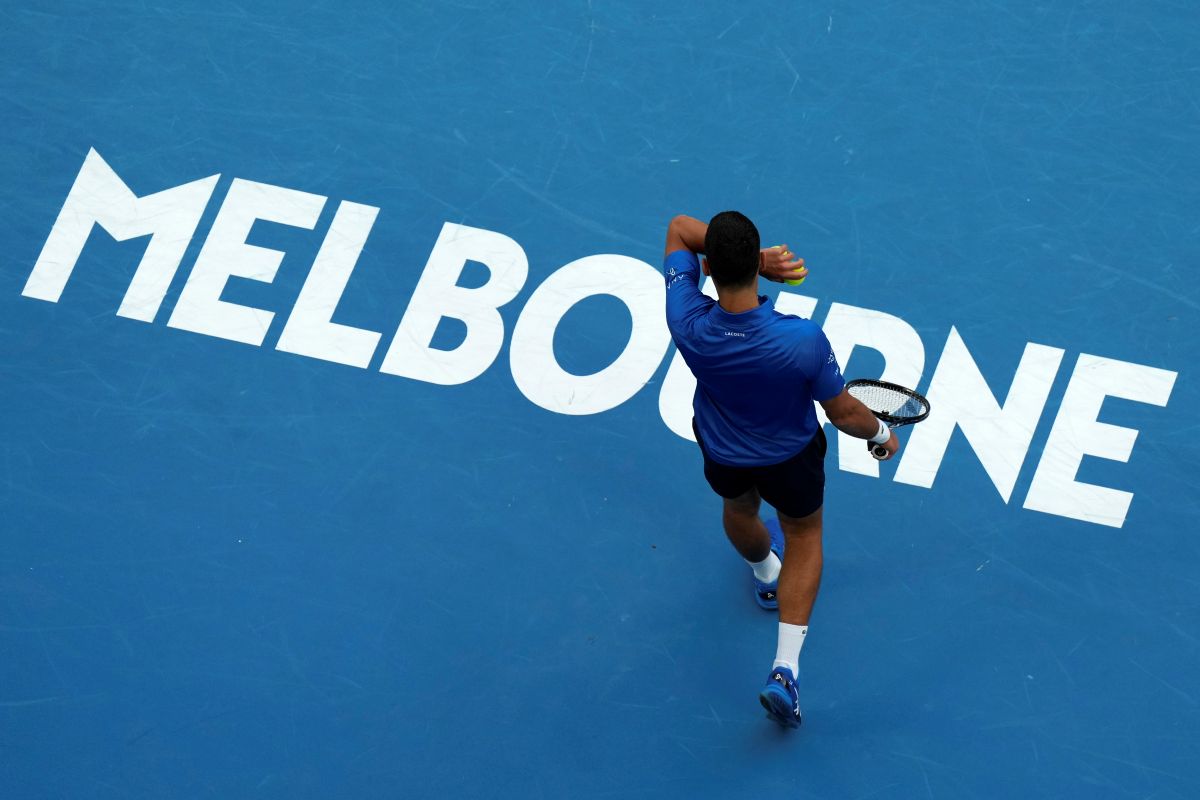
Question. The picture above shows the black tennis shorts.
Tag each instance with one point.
(796, 487)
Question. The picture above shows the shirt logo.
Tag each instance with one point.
(672, 277)
(735, 333)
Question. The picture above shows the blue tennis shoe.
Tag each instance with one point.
(781, 699)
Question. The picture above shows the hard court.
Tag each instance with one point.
(342, 454)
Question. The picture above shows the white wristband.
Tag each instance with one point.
(883, 435)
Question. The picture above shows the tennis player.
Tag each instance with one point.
(758, 373)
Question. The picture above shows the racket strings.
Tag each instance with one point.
(883, 400)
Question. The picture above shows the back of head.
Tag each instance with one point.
(731, 246)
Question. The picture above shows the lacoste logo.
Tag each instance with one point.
(735, 333)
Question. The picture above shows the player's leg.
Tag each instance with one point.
(745, 527)
(796, 488)
(800, 578)
(748, 534)
(799, 581)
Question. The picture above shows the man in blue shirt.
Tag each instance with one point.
(758, 373)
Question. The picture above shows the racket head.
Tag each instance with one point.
(894, 404)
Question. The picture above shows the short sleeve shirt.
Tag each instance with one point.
(757, 372)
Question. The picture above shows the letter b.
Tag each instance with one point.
(438, 295)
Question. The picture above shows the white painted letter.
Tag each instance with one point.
(1077, 433)
(225, 254)
(904, 359)
(534, 367)
(437, 295)
(309, 330)
(959, 395)
(99, 196)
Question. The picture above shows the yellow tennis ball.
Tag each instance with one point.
(789, 283)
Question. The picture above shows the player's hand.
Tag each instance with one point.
(892, 446)
(780, 264)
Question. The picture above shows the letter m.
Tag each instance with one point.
(99, 196)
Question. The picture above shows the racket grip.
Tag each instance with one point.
(876, 444)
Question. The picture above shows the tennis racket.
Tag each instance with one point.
(894, 405)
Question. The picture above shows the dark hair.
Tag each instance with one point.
(731, 246)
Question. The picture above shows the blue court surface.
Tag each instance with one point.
(344, 452)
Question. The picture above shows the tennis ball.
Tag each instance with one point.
(790, 283)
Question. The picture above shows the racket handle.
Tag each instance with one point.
(877, 448)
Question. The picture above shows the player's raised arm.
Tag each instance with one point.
(682, 270)
(686, 233)
(778, 263)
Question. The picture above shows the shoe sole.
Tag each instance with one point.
(779, 708)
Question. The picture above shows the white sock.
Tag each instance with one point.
(791, 642)
(767, 570)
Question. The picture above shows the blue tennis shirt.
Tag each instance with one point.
(757, 372)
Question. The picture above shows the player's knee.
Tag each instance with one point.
(805, 526)
(745, 505)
